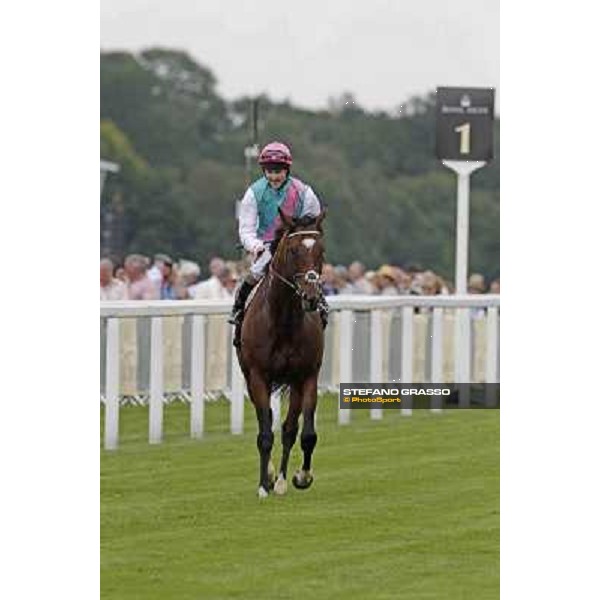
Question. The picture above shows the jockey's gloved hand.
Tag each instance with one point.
(258, 249)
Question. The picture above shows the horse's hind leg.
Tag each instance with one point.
(289, 432)
(303, 478)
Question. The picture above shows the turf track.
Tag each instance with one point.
(407, 507)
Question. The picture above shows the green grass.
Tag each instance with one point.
(406, 507)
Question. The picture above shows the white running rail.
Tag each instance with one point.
(485, 305)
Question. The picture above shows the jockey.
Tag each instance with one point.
(259, 218)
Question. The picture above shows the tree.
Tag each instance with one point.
(181, 150)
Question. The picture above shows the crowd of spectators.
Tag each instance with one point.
(140, 278)
(394, 280)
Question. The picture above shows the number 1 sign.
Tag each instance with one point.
(464, 123)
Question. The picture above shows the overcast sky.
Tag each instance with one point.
(382, 51)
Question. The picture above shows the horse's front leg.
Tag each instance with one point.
(303, 478)
(259, 393)
(289, 432)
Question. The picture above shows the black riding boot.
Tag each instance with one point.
(237, 312)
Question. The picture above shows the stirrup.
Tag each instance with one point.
(235, 318)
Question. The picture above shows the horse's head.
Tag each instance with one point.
(298, 256)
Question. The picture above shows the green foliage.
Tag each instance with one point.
(114, 144)
(181, 150)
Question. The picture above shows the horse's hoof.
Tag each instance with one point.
(302, 480)
(280, 487)
(271, 474)
(262, 493)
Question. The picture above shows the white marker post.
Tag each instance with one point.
(463, 169)
(462, 324)
(464, 143)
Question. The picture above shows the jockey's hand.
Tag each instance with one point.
(258, 250)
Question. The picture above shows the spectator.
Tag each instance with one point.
(230, 280)
(236, 272)
(110, 287)
(244, 264)
(170, 288)
(358, 281)
(476, 284)
(444, 286)
(413, 269)
(427, 284)
(236, 268)
(328, 280)
(371, 278)
(495, 287)
(386, 281)
(155, 271)
(215, 287)
(216, 266)
(342, 280)
(139, 285)
(120, 275)
(189, 274)
(403, 281)
(415, 272)
(431, 284)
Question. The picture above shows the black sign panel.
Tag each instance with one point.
(464, 123)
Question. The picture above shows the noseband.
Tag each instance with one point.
(310, 276)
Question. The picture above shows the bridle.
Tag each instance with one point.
(310, 276)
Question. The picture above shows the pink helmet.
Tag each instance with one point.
(275, 152)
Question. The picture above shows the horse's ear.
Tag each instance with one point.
(285, 219)
(320, 218)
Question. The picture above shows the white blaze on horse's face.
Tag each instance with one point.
(309, 243)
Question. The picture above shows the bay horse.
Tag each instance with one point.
(282, 345)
